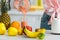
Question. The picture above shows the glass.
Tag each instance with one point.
(33, 2)
(0, 5)
(23, 6)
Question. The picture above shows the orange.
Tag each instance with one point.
(15, 24)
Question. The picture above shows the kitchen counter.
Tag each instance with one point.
(48, 36)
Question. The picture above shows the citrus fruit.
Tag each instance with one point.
(20, 31)
(15, 24)
(42, 30)
(12, 31)
(2, 28)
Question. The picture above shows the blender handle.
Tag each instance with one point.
(56, 15)
(9, 4)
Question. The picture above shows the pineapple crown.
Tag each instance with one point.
(3, 6)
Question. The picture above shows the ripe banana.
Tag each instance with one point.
(31, 34)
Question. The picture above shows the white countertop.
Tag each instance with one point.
(16, 12)
(48, 36)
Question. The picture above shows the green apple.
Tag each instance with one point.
(41, 36)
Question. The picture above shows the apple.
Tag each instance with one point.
(29, 28)
(23, 24)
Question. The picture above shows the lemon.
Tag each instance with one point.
(20, 31)
(2, 29)
(42, 30)
(12, 31)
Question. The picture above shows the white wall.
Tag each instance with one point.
(32, 2)
(12, 6)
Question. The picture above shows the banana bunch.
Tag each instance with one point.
(30, 33)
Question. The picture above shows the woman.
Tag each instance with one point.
(50, 6)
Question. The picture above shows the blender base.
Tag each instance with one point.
(56, 33)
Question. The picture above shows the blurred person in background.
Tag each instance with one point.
(49, 9)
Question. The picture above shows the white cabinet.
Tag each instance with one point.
(33, 18)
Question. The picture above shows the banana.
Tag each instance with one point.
(31, 34)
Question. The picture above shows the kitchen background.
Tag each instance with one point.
(32, 2)
(33, 18)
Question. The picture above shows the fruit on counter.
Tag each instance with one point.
(29, 28)
(15, 24)
(20, 31)
(2, 29)
(23, 24)
(12, 31)
(4, 17)
(41, 36)
(37, 29)
(30, 33)
(43, 30)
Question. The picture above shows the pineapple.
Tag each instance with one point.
(4, 17)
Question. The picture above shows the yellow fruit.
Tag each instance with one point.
(2, 29)
(37, 30)
(15, 24)
(20, 31)
(12, 31)
(31, 34)
(42, 30)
